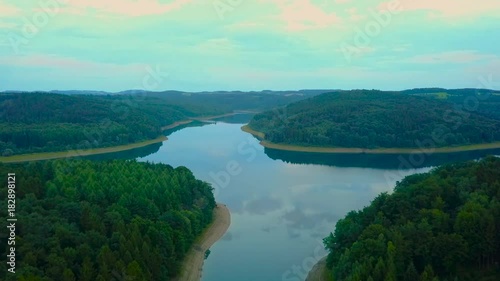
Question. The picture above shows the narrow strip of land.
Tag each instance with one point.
(318, 149)
(176, 124)
(95, 151)
(193, 263)
(318, 272)
(76, 153)
(203, 118)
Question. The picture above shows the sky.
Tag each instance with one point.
(250, 45)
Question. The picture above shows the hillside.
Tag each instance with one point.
(442, 225)
(375, 119)
(36, 122)
(83, 220)
(67, 120)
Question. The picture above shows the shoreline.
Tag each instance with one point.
(176, 124)
(192, 265)
(75, 152)
(318, 272)
(202, 118)
(318, 149)
(40, 156)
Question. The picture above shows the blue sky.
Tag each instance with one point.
(115, 45)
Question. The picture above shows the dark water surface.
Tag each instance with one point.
(282, 203)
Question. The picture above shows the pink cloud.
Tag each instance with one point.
(354, 15)
(299, 15)
(8, 10)
(124, 7)
(451, 57)
(447, 8)
(70, 64)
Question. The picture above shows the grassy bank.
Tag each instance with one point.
(317, 149)
(76, 153)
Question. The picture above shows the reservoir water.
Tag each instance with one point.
(282, 205)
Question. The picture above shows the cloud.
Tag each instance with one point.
(301, 15)
(132, 8)
(467, 56)
(68, 63)
(449, 8)
(7, 10)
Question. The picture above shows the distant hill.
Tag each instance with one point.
(377, 119)
(44, 122)
(481, 101)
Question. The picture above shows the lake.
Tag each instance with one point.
(282, 204)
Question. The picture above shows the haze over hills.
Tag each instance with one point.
(173, 92)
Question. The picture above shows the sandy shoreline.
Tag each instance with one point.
(317, 149)
(75, 153)
(318, 272)
(176, 124)
(193, 263)
(103, 150)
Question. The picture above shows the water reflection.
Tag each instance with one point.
(377, 161)
(240, 118)
(128, 154)
(282, 204)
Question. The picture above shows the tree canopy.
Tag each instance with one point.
(83, 220)
(376, 119)
(441, 225)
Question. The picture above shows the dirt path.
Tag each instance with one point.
(193, 263)
(318, 273)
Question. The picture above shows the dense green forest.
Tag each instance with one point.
(100, 221)
(236, 100)
(45, 122)
(441, 225)
(35, 122)
(481, 101)
(376, 119)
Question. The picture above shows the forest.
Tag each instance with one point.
(46, 122)
(376, 119)
(34, 122)
(442, 225)
(102, 221)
